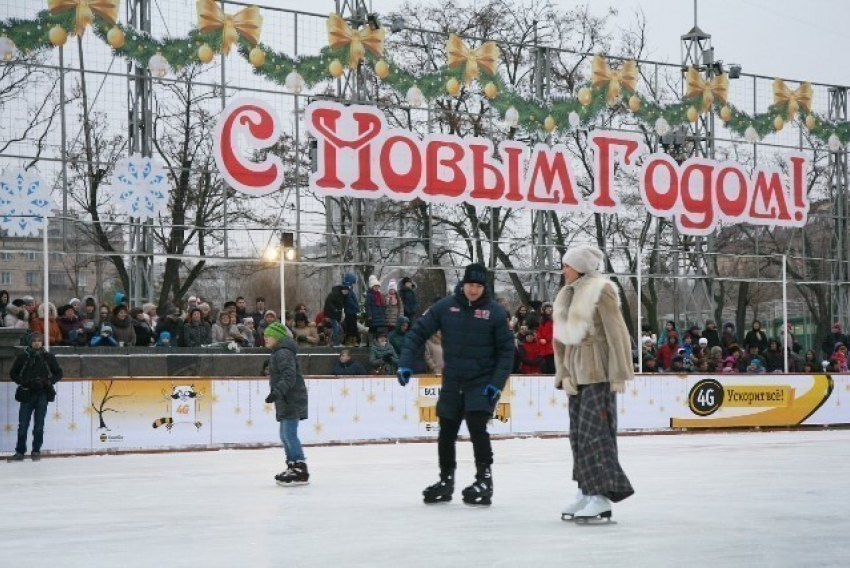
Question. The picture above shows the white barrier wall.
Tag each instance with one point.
(132, 414)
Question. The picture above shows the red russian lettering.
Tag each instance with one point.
(700, 206)
(551, 171)
(434, 184)
(481, 166)
(732, 208)
(603, 156)
(395, 181)
(660, 202)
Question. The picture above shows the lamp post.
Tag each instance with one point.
(287, 252)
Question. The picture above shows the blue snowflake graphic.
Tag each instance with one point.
(24, 203)
(142, 187)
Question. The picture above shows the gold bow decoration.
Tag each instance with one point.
(86, 9)
(602, 75)
(486, 57)
(341, 35)
(801, 97)
(698, 86)
(247, 22)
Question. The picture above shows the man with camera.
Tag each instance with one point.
(35, 371)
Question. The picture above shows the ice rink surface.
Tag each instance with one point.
(738, 499)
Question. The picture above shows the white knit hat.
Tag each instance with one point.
(584, 259)
(393, 285)
(373, 281)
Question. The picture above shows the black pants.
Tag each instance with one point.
(476, 423)
(349, 326)
(549, 364)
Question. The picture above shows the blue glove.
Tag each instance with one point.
(404, 375)
(492, 393)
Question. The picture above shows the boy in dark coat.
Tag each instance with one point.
(408, 298)
(35, 371)
(289, 395)
(478, 353)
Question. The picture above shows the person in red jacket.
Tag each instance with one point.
(667, 351)
(529, 353)
(544, 338)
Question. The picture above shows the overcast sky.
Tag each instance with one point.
(800, 40)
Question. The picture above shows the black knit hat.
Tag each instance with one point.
(475, 273)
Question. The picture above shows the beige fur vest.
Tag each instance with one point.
(590, 337)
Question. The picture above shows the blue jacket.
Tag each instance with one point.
(478, 349)
(376, 316)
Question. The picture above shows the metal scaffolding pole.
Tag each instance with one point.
(837, 169)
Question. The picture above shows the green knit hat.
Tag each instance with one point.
(276, 331)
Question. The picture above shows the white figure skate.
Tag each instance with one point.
(581, 500)
(597, 508)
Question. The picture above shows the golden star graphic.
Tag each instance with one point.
(332, 409)
(237, 410)
(847, 387)
(406, 416)
(249, 423)
(344, 392)
(317, 428)
(88, 410)
(565, 405)
(539, 414)
(57, 416)
(392, 408)
(356, 418)
(553, 401)
(268, 408)
(214, 399)
(7, 427)
(72, 426)
(512, 392)
(622, 411)
(837, 403)
(678, 398)
(415, 404)
(634, 392)
(661, 409)
(651, 401)
(530, 402)
(370, 398)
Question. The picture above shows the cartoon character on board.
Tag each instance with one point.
(184, 407)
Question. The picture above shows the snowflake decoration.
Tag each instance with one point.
(142, 187)
(24, 203)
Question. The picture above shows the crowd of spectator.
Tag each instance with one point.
(379, 320)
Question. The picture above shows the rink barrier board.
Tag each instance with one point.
(200, 413)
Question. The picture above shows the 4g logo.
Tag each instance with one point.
(706, 397)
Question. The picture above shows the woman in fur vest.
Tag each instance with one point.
(592, 363)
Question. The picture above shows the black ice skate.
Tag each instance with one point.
(279, 477)
(598, 508)
(295, 475)
(480, 492)
(36, 456)
(440, 492)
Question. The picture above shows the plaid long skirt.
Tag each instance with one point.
(593, 439)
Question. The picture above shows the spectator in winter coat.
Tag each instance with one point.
(667, 351)
(669, 327)
(164, 339)
(747, 360)
(304, 332)
(122, 326)
(756, 336)
(143, 329)
(333, 310)
(17, 316)
(89, 313)
(173, 324)
(519, 319)
(248, 331)
(729, 337)
(408, 298)
(649, 365)
(351, 336)
(288, 392)
(36, 371)
(259, 311)
(774, 358)
(544, 338)
(529, 353)
(269, 317)
(478, 351)
(382, 356)
(225, 330)
(812, 361)
(375, 307)
(196, 332)
(347, 365)
(37, 323)
(434, 354)
(711, 334)
(394, 307)
(71, 327)
(104, 338)
(832, 339)
(396, 337)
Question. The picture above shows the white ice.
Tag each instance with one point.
(737, 499)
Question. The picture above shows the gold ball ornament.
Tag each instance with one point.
(382, 69)
(335, 69)
(58, 36)
(7, 49)
(778, 123)
(634, 103)
(549, 124)
(453, 87)
(726, 114)
(811, 122)
(205, 54)
(257, 57)
(491, 91)
(585, 96)
(115, 38)
(692, 114)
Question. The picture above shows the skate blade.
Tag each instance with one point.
(437, 501)
(600, 519)
(484, 502)
(292, 483)
(567, 517)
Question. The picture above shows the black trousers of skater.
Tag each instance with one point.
(593, 439)
(476, 423)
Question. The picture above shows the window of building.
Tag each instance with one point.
(5, 256)
(5, 277)
(31, 255)
(33, 278)
(57, 279)
(83, 281)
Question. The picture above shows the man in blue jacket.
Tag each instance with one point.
(478, 351)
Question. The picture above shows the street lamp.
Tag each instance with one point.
(287, 252)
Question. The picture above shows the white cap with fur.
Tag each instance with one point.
(584, 259)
